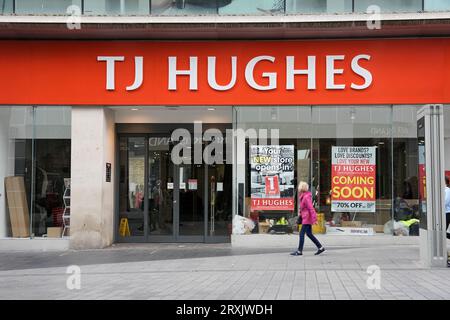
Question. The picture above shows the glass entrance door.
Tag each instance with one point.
(163, 202)
(146, 189)
(160, 189)
(219, 215)
(132, 189)
(191, 204)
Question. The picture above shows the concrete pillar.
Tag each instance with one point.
(4, 172)
(92, 198)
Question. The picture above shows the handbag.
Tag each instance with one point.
(299, 217)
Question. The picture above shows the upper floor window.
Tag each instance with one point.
(215, 7)
(58, 7)
(389, 5)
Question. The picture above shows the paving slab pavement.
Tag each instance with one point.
(218, 271)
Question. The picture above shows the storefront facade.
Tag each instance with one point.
(170, 141)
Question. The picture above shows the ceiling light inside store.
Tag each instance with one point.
(211, 109)
(135, 109)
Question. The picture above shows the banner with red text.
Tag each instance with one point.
(353, 176)
(272, 177)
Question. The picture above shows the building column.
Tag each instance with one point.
(92, 198)
(5, 113)
(430, 131)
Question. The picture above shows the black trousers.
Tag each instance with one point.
(307, 228)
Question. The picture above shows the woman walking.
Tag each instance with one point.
(308, 217)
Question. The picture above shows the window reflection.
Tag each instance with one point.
(35, 146)
(44, 6)
(320, 6)
(6, 6)
(187, 7)
(217, 7)
(116, 7)
(389, 5)
(314, 131)
(437, 5)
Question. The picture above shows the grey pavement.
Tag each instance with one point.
(218, 271)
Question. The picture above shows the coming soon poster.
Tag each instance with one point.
(353, 179)
(272, 177)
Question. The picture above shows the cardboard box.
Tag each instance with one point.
(352, 224)
(263, 227)
(18, 207)
(378, 228)
(54, 232)
(248, 205)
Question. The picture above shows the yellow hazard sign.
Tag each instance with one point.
(124, 229)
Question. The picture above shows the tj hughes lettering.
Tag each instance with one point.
(293, 67)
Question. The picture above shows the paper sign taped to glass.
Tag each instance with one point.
(353, 176)
(272, 177)
(192, 183)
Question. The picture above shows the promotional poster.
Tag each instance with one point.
(353, 179)
(272, 177)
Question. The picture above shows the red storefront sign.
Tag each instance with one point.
(392, 71)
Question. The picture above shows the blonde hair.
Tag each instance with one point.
(303, 186)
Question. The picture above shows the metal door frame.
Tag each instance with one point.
(131, 239)
(215, 238)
